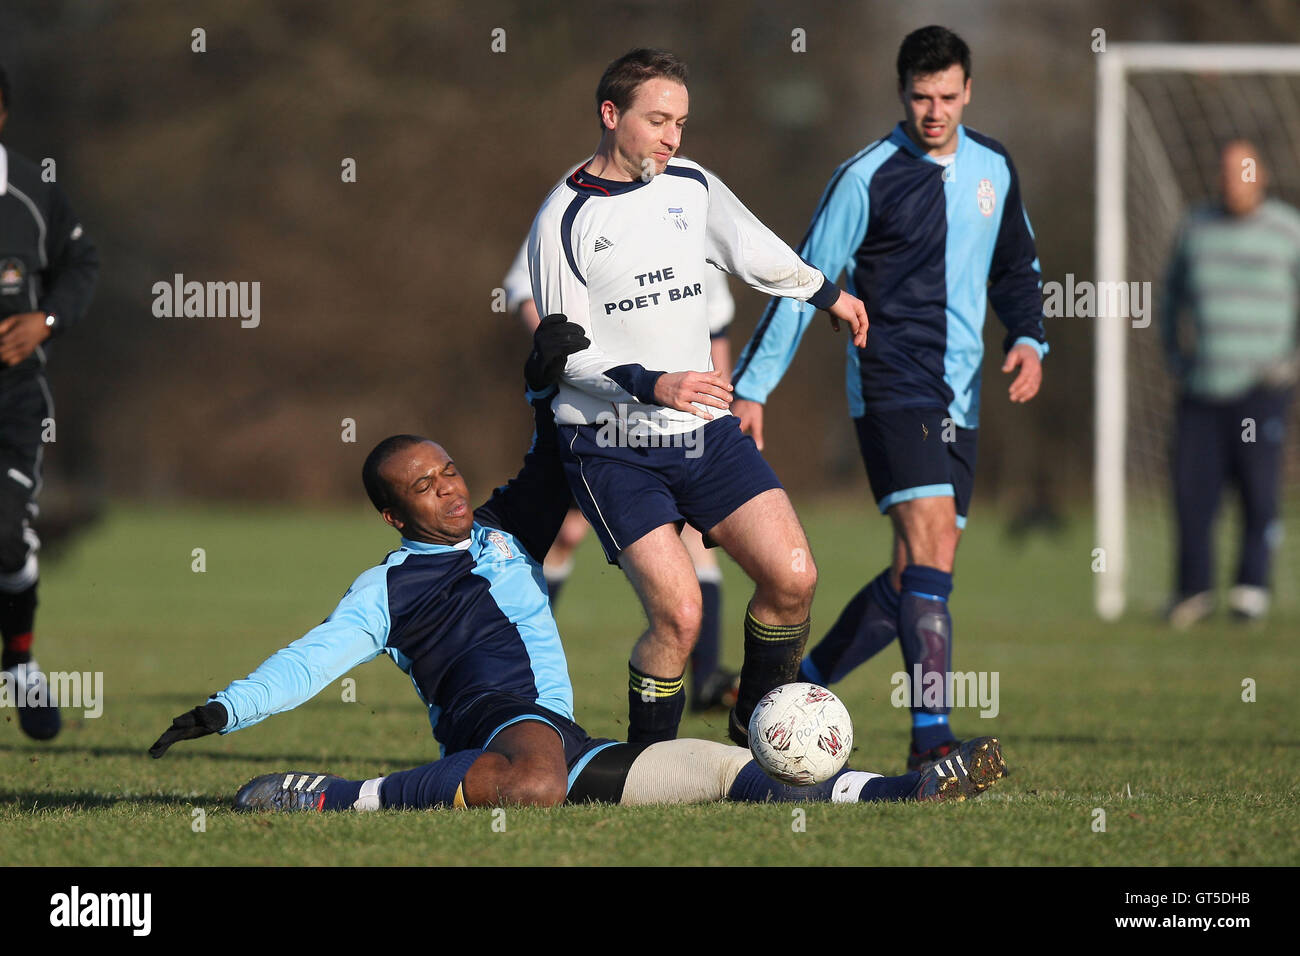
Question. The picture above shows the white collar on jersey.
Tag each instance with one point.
(4, 171)
(429, 547)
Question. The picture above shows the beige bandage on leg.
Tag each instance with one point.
(683, 771)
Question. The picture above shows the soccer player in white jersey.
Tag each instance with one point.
(712, 685)
(620, 247)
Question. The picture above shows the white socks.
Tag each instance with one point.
(849, 787)
(369, 799)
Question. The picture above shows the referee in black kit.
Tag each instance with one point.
(47, 275)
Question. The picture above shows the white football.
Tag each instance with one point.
(800, 734)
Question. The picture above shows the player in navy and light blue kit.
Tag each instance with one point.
(929, 226)
(461, 607)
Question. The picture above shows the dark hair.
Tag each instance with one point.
(4, 89)
(379, 490)
(619, 82)
(931, 50)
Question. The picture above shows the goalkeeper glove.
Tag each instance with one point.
(198, 722)
(554, 341)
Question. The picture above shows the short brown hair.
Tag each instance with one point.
(932, 50)
(621, 78)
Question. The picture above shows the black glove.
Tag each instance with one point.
(554, 341)
(198, 722)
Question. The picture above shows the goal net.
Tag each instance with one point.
(1164, 113)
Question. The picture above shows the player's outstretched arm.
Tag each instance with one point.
(741, 244)
(209, 718)
(356, 632)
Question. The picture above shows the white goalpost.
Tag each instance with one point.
(1163, 112)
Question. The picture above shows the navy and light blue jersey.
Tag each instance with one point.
(926, 246)
(461, 620)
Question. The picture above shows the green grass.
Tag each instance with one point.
(1143, 723)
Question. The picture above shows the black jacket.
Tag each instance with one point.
(47, 262)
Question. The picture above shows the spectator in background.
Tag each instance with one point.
(1232, 293)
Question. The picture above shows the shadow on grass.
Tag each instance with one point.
(1092, 740)
(35, 801)
(178, 754)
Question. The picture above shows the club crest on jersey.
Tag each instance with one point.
(985, 196)
(497, 538)
(11, 276)
(677, 216)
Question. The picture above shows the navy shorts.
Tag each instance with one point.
(625, 493)
(493, 712)
(917, 453)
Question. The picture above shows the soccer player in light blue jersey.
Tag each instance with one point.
(461, 607)
(929, 226)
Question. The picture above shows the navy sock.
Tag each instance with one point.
(883, 789)
(772, 655)
(707, 652)
(341, 794)
(654, 706)
(433, 785)
(925, 632)
(868, 624)
(752, 785)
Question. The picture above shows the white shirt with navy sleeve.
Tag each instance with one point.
(628, 262)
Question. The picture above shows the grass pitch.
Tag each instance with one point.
(1131, 719)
